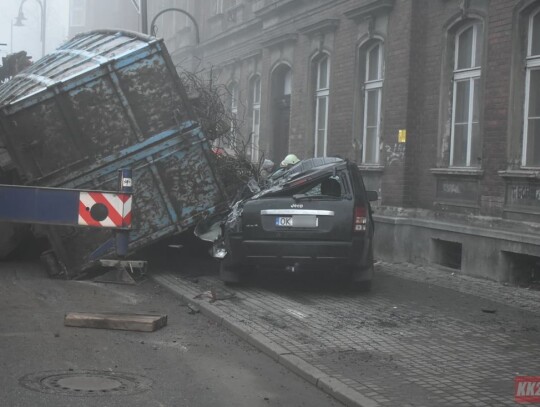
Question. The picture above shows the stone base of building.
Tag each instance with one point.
(491, 248)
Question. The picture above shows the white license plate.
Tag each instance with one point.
(284, 221)
(297, 221)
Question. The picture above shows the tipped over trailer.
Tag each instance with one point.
(110, 100)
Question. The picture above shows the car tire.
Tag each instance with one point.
(230, 275)
(361, 277)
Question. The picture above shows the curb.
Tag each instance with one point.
(328, 384)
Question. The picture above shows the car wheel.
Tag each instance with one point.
(229, 274)
(361, 276)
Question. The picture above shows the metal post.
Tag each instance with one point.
(125, 186)
(43, 24)
(11, 41)
(144, 16)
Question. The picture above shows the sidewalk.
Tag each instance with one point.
(522, 298)
(385, 348)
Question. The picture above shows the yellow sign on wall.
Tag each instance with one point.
(402, 136)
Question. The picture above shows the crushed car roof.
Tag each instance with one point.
(312, 168)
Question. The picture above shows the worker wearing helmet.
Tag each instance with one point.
(287, 163)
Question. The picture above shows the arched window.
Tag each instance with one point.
(255, 101)
(218, 7)
(467, 71)
(531, 139)
(373, 84)
(322, 92)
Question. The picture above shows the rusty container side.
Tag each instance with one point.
(174, 187)
(99, 93)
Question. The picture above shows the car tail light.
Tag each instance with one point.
(360, 219)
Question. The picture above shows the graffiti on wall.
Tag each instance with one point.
(524, 194)
(394, 153)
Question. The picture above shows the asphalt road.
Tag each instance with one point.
(190, 362)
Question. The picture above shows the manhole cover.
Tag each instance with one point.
(86, 383)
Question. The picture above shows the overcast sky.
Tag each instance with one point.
(27, 38)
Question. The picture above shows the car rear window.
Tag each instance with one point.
(325, 186)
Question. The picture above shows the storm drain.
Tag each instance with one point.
(85, 383)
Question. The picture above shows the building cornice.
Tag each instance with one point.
(329, 24)
(371, 8)
(261, 9)
(279, 39)
(250, 25)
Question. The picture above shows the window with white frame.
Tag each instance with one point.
(373, 85)
(465, 135)
(233, 107)
(255, 116)
(77, 13)
(322, 92)
(531, 128)
(218, 7)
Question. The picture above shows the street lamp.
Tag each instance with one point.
(21, 17)
(153, 23)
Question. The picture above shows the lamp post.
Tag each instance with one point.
(144, 16)
(15, 22)
(153, 23)
(21, 17)
(11, 37)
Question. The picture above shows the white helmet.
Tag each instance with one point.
(291, 159)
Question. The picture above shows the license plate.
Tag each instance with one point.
(284, 221)
(297, 221)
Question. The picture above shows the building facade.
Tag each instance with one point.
(437, 101)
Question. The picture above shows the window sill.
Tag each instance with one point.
(465, 172)
(371, 167)
(528, 174)
(457, 203)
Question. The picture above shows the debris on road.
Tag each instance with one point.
(121, 321)
(489, 311)
(214, 295)
(193, 309)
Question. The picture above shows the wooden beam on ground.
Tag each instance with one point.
(106, 320)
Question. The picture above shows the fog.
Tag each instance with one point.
(28, 37)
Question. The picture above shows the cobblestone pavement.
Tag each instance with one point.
(423, 337)
(502, 293)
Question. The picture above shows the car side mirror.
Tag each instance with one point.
(372, 196)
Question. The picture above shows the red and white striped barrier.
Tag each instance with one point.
(102, 209)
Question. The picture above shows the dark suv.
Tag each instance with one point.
(316, 216)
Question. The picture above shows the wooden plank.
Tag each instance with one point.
(106, 320)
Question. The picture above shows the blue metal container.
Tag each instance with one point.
(104, 101)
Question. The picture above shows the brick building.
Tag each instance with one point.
(438, 101)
